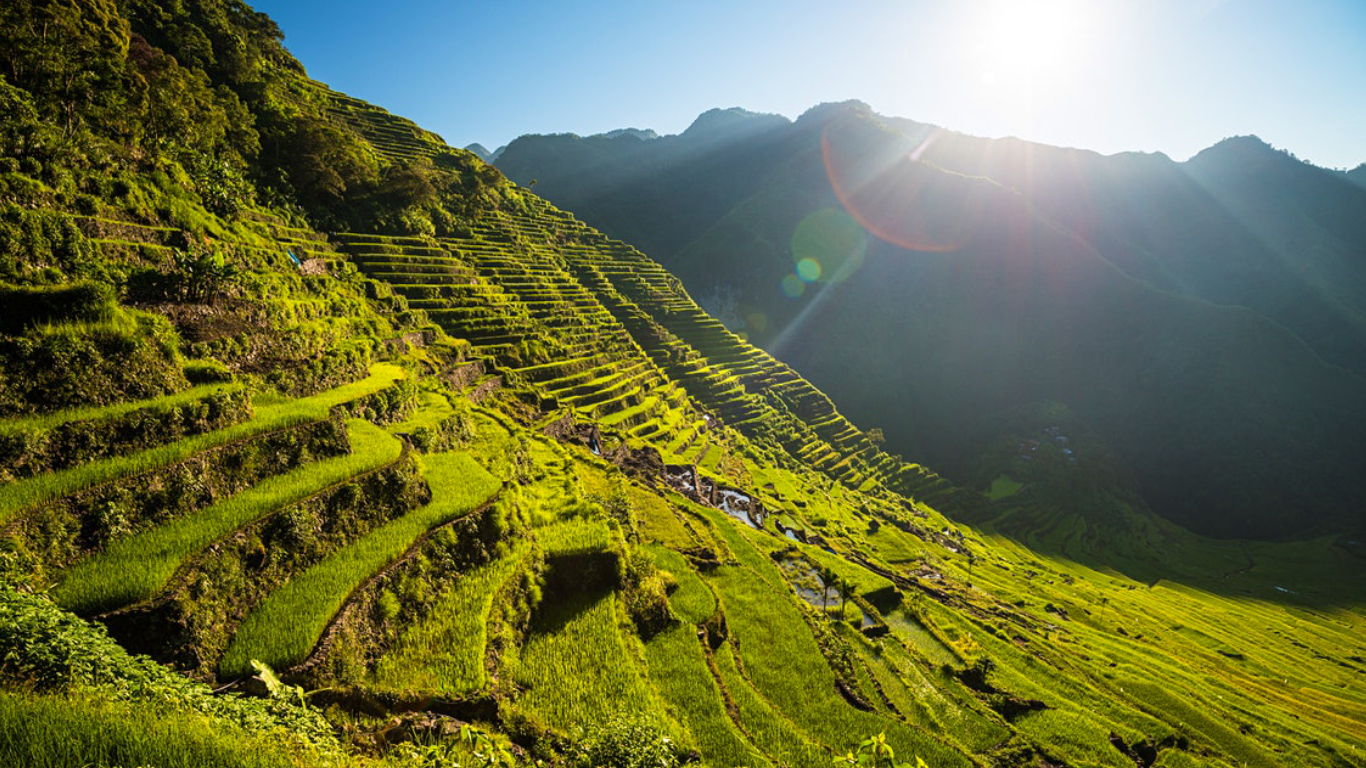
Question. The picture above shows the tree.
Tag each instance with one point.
(829, 579)
(201, 276)
(69, 55)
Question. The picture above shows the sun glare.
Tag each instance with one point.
(1032, 48)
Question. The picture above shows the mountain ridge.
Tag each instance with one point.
(1163, 223)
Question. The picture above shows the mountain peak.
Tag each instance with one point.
(1239, 150)
(832, 109)
(643, 134)
(731, 120)
(1357, 175)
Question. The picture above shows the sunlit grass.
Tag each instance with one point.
(574, 537)
(772, 732)
(678, 670)
(574, 664)
(276, 413)
(283, 629)
(1003, 486)
(692, 601)
(61, 732)
(139, 567)
(786, 665)
(444, 653)
(46, 421)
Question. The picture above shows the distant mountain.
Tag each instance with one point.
(1240, 224)
(1311, 225)
(483, 152)
(1357, 175)
(1202, 318)
(640, 182)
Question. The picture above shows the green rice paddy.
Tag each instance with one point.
(273, 414)
(288, 624)
(141, 566)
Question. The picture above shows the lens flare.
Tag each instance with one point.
(793, 287)
(879, 182)
(828, 246)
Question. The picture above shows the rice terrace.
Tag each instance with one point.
(326, 443)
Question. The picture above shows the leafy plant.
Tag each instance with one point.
(625, 741)
(277, 688)
(875, 752)
(202, 275)
(487, 753)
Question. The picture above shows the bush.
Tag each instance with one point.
(47, 649)
(645, 594)
(132, 356)
(43, 244)
(625, 741)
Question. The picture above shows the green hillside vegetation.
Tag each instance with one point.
(325, 444)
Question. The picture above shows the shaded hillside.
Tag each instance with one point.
(629, 187)
(1312, 224)
(1240, 223)
(1114, 264)
(1357, 175)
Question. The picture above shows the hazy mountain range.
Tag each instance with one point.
(1205, 319)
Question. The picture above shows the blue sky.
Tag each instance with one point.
(1110, 75)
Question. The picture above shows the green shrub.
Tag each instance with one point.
(130, 356)
(38, 244)
(624, 741)
(35, 445)
(645, 594)
(47, 649)
(338, 365)
(875, 752)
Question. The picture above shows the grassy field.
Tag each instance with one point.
(574, 666)
(680, 672)
(270, 414)
(139, 567)
(1003, 486)
(786, 666)
(444, 653)
(59, 732)
(283, 630)
(46, 421)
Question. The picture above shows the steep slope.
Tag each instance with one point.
(1239, 224)
(1143, 363)
(1311, 222)
(492, 488)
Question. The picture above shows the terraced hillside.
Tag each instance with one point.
(362, 488)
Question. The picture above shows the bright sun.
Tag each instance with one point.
(1031, 49)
